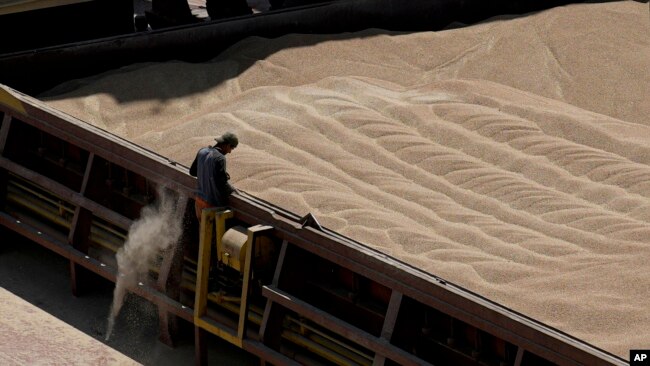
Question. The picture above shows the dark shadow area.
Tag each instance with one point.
(41, 277)
(39, 70)
(75, 22)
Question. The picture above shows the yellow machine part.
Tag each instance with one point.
(233, 246)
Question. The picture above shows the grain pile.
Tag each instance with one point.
(510, 157)
(31, 336)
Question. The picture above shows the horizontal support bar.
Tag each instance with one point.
(346, 330)
(66, 193)
(67, 251)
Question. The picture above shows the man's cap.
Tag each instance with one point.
(228, 138)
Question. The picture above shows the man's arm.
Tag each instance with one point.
(221, 178)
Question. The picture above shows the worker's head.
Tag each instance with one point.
(227, 142)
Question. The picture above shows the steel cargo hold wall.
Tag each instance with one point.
(77, 190)
(321, 297)
(37, 70)
(36, 24)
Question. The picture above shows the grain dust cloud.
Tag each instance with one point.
(156, 231)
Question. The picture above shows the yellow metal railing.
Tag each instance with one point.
(212, 230)
(299, 332)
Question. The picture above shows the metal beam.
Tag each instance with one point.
(359, 336)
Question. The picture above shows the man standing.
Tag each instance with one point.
(209, 167)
